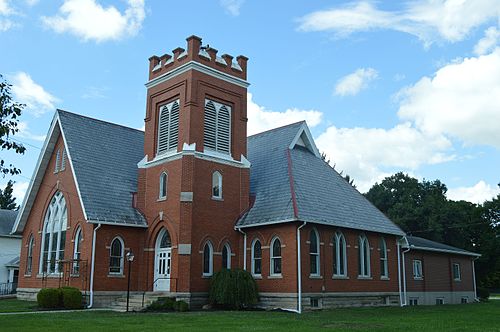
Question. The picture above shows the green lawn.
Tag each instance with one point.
(14, 305)
(472, 317)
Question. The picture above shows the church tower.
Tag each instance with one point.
(194, 178)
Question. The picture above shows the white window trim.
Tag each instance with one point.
(459, 272)
(340, 260)
(29, 256)
(418, 272)
(122, 256)
(385, 273)
(163, 186)
(77, 250)
(57, 201)
(253, 258)
(58, 158)
(228, 257)
(219, 180)
(364, 250)
(211, 260)
(272, 257)
(168, 107)
(316, 255)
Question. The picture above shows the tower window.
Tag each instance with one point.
(168, 127)
(163, 186)
(216, 185)
(217, 131)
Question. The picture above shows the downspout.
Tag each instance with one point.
(474, 278)
(299, 272)
(244, 248)
(399, 273)
(404, 276)
(92, 267)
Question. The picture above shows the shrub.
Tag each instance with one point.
(49, 298)
(181, 306)
(483, 293)
(162, 304)
(71, 298)
(233, 289)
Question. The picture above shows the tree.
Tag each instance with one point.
(9, 114)
(7, 201)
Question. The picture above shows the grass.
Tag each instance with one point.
(472, 317)
(14, 305)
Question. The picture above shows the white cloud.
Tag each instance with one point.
(5, 8)
(18, 190)
(232, 7)
(37, 100)
(31, 2)
(5, 11)
(24, 132)
(352, 84)
(261, 119)
(89, 20)
(429, 20)
(461, 100)
(478, 193)
(488, 42)
(370, 154)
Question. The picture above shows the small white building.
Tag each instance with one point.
(10, 249)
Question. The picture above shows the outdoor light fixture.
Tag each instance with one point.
(130, 258)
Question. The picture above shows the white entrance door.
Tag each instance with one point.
(162, 270)
(163, 262)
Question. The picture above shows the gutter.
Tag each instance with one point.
(404, 277)
(399, 273)
(474, 278)
(92, 268)
(299, 272)
(244, 248)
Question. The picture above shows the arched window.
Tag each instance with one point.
(339, 255)
(77, 251)
(29, 256)
(216, 185)
(217, 127)
(163, 185)
(314, 252)
(384, 271)
(208, 259)
(54, 235)
(165, 241)
(276, 256)
(256, 258)
(168, 127)
(116, 256)
(364, 257)
(226, 256)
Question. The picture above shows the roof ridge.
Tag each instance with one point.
(277, 128)
(98, 120)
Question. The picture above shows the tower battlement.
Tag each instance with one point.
(196, 52)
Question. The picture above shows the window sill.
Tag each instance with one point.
(364, 278)
(117, 275)
(457, 280)
(52, 275)
(27, 275)
(75, 275)
(315, 276)
(418, 278)
(385, 278)
(207, 276)
(275, 276)
(219, 199)
(257, 276)
(341, 277)
(161, 199)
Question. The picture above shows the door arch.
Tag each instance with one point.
(163, 261)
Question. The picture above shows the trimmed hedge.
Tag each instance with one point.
(181, 306)
(55, 298)
(162, 304)
(233, 289)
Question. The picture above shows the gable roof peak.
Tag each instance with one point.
(304, 138)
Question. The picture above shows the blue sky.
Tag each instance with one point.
(385, 86)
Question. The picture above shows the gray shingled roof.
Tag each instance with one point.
(424, 244)
(7, 219)
(104, 158)
(322, 195)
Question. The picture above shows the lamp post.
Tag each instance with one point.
(130, 258)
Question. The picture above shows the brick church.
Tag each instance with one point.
(192, 194)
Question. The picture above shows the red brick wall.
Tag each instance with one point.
(437, 272)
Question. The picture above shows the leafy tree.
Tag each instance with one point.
(9, 114)
(7, 201)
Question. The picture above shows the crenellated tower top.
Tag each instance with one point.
(207, 56)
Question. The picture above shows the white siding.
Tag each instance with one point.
(10, 248)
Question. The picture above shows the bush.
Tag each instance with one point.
(483, 293)
(181, 306)
(162, 304)
(233, 289)
(71, 298)
(49, 298)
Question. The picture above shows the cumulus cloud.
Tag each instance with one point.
(25, 132)
(352, 84)
(462, 100)
(89, 20)
(232, 7)
(429, 20)
(488, 42)
(261, 119)
(27, 91)
(370, 154)
(478, 193)
(5, 11)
